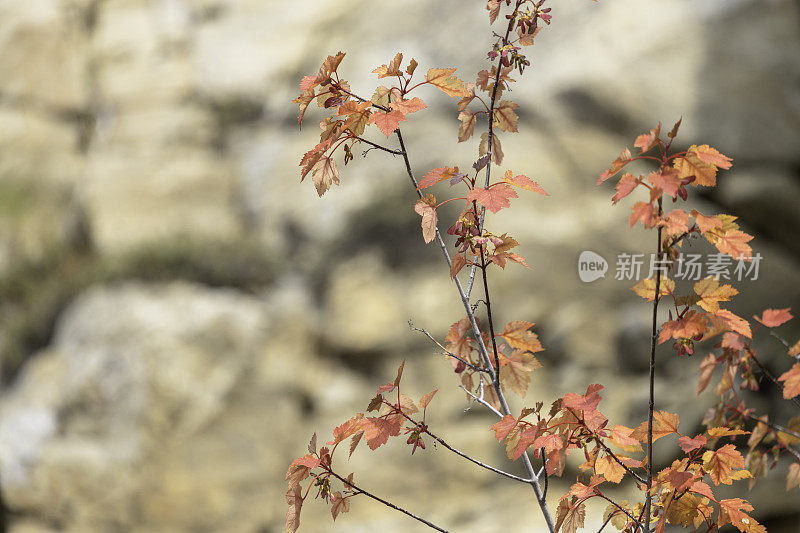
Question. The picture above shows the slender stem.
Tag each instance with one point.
(481, 401)
(445, 351)
(490, 138)
(783, 341)
(454, 450)
(773, 425)
(795, 400)
(651, 403)
(611, 454)
(378, 146)
(359, 490)
(489, 316)
(618, 506)
(605, 523)
(481, 347)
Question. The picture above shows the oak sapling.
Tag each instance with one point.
(490, 362)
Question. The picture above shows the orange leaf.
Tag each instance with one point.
(623, 159)
(734, 243)
(526, 438)
(646, 141)
(644, 212)
(666, 180)
(570, 517)
(609, 468)
(392, 69)
(772, 318)
(795, 350)
(324, 175)
(436, 175)
(408, 106)
(494, 198)
(688, 444)
(720, 464)
(708, 155)
(707, 367)
(727, 321)
(730, 512)
(515, 370)
(690, 325)
(621, 437)
(523, 182)
(792, 378)
(518, 336)
(386, 122)
(711, 293)
(503, 428)
(378, 430)
(442, 79)
(664, 424)
(647, 288)
(793, 477)
(691, 165)
(458, 263)
(676, 222)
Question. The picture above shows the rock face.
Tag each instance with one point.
(149, 403)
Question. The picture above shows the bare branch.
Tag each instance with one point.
(359, 490)
(444, 350)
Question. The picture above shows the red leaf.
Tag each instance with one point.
(627, 183)
(688, 444)
(503, 428)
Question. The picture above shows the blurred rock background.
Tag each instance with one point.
(178, 313)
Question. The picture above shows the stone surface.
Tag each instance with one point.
(130, 125)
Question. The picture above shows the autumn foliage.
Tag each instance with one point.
(738, 443)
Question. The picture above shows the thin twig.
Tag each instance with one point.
(489, 317)
(490, 137)
(481, 347)
(773, 425)
(482, 401)
(795, 400)
(359, 490)
(444, 350)
(379, 147)
(465, 456)
(651, 402)
(605, 523)
(619, 461)
(615, 504)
